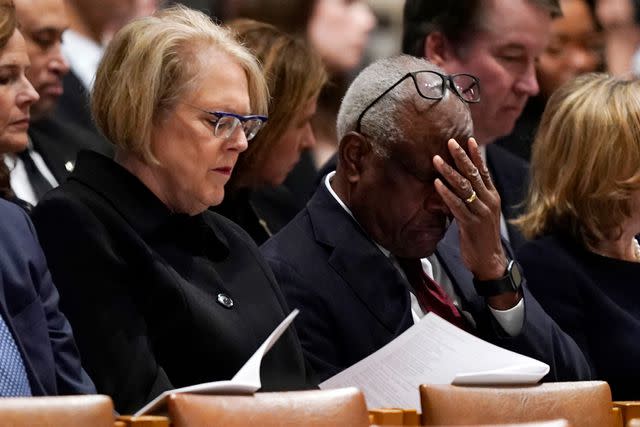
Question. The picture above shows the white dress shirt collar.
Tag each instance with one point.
(83, 54)
(511, 320)
(19, 179)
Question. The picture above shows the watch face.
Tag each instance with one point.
(516, 275)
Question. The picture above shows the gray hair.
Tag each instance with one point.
(386, 121)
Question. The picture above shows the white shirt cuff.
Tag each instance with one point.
(512, 319)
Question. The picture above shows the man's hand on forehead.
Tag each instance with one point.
(474, 202)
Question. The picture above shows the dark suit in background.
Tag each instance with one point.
(510, 175)
(159, 300)
(29, 306)
(59, 141)
(353, 301)
(62, 134)
(74, 103)
(520, 140)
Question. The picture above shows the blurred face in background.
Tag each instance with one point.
(16, 95)
(105, 15)
(42, 23)
(129, 10)
(339, 30)
(107, 9)
(145, 7)
(575, 47)
(285, 153)
(502, 53)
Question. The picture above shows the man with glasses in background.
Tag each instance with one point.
(499, 41)
(357, 261)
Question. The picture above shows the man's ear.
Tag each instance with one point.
(437, 49)
(352, 152)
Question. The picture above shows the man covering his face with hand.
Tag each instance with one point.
(368, 256)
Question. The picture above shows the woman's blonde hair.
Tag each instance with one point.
(295, 75)
(152, 63)
(8, 25)
(8, 21)
(586, 160)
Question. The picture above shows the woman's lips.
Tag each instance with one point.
(224, 170)
(21, 123)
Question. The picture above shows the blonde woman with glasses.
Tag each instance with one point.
(162, 292)
(583, 212)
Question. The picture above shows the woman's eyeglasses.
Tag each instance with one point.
(226, 123)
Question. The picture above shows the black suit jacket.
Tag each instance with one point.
(59, 140)
(524, 131)
(70, 128)
(142, 288)
(510, 175)
(74, 102)
(353, 301)
(29, 306)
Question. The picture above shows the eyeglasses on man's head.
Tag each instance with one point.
(433, 85)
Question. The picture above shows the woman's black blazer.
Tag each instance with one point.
(159, 300)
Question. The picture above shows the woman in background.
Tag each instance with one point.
(583, 211)
(295, 75)
(339, 31)
(38, 355)
(16, 97)
(162, 292)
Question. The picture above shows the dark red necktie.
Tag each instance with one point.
(430, 295)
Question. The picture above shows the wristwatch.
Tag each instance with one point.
(510, 282)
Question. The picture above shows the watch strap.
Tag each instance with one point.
(501, 285)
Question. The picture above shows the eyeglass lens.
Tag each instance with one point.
(431, 85)
(226, 125)
(466, 86)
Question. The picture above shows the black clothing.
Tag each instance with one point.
(146, 290)
(510, 175)
(353, 300)
(520, 140)
(594, 299)
(69, 129)
(260, 213)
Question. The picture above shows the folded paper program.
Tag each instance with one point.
(245, 381)
(433, 351)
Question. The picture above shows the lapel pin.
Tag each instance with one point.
(225, 300)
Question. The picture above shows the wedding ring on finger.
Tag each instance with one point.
(471, 198)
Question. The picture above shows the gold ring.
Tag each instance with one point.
(471, 198)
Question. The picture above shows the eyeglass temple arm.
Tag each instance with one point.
(378, 99)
